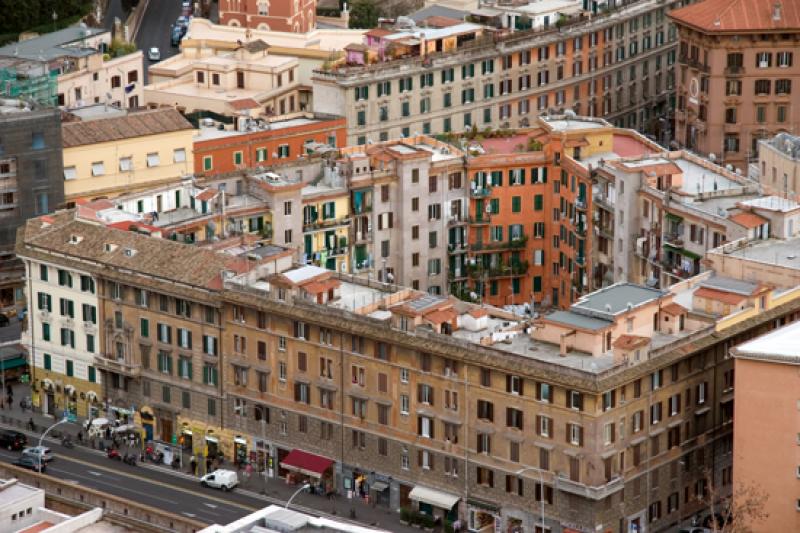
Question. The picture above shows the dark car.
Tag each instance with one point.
(12, 440)
(30, 462)
(177, 34)
(4, 321)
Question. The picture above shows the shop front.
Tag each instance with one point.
(48, 397)
(70, 402)
(379, 490)
(147, 420)
(240, 457)
(482, 517)
(438, 504)
(92, 405)
(261, 457)
(299, 467)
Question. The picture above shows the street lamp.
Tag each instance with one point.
(541, 483)
(41, 438)
(305, 486)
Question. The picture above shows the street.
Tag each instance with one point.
(155, 29)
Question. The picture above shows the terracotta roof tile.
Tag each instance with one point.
(674, 309)
(243, 103)
(722, 296)
(629, 342)
(722, 16)
(748, 220)
(136, 124)
(438, 317)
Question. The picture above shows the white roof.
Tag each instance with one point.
(781, 345)
(437, 498)
(773, 203)
(299, 275)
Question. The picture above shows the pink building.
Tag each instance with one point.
(297, 16)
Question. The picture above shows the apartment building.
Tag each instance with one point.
(30, 182)
(748, 61)
(608, 413)
(297, 17)
(238, 79)
(107, 157)
(326, 222)
(263, 142)
(668, 210)
(766, 382)
(409, 210)
(86, 73)
(777, 167)
(618, 66)
(524, 15)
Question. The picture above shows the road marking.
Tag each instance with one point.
(190, 515)
(210, 505)
(92, 472)
(161, 484)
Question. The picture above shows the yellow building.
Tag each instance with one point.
(326, 226)
(109, 157)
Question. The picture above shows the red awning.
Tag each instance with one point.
(306, 463)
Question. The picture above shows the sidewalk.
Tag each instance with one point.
(275, 490)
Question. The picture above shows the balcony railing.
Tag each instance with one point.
(580, 203)
(498, 271)
(111, 363)
(673, 239)
(480, 192)
(483, 218)
(734, 71)
(456, 220)
(513, 244)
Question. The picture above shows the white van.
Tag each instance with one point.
(220, 479)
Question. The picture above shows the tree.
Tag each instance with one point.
(737, 513)
(364, 14)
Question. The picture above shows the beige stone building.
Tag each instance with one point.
(735, 76)
(766, 385)
(238, 79)
(619, 67)
(606, 413)
(777, 167)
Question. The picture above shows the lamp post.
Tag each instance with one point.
(541, 484)
(305, 486)
(41, 438)
(55, 18)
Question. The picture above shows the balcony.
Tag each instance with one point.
(513, 244)
(580, 229)
(734, 71)
(110, 363)
(481, 220)
(456, 220)
(602, 201)
(580, 203)
(456, 274)
(580, 260)
(498, 271)
(593, 493)
(480, 192)
(674, 239)
(457, 248)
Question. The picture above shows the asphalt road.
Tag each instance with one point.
(155, 29)
(145, 485)
(11, 332)
(114, 11)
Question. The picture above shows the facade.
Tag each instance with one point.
(30, 174)
(22, 509)
(86, 74)
(279, 518)
(618, 67)
(235, 80)
(523, 15)
(390, 392)
(326, 223)
(748, 63)
(777, 167)
(264, 142)
(107, 157)
(298, 16)
(765, 381)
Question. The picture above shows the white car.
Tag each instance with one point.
(41, 452)
(220, 479)
(154, 54)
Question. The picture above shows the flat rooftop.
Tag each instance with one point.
(773, 203)
(577, 123)
(780, 252)
(698, 179)
(616, 298)
(66, 42)
(780, 345)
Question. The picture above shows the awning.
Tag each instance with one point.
(306, 463)
(14, 362)
(379, 486)
(91, 396)
(209, 438)
(239, 440)
(483, 505)
(47, 384)
(673, 216)
(439, 499)
(69, 389)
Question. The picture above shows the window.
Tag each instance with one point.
(153, 159)
(762, 87)
(485, 410)
(575, 400)
(783, 87)
(574, 434)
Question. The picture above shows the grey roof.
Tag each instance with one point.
(266, 251)
(615, 298)
(53, 45)
(424, 302)
(578, 320)
(437, 11)
(730, 285)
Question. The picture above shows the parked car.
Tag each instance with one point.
(154, 54)
(182, 21)
(42, 452)
(12, 440)
(186, 4)
(30, 462)
(177, 34)
(4, 320)
(220, 479)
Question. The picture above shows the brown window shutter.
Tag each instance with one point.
(538, 424)
(508, 383)
(419, 457)
(391, 219)
(430, 397)
(538, 391)
(580, 436)
(419, 392)
(431, 460)
(508, 416)
(521, 386)
(433, 429)
(568, 426)
(613, 432)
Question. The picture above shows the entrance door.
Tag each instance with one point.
(166, 429)
(50, 408)
(239, 79)
(148, 431)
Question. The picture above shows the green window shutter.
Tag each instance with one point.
(70, 369)
(92, 375)
(48, 363)
(538, 202)
(144, 327)
(537, 284)
(516, 204)
(495, 203)
(46, 332)
(189, 369)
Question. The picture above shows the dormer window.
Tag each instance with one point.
(75, 239)
(109, 247)
(129, 252)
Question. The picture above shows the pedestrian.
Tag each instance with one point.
(108, 433)
(80, 436)
(31, 424)
(193, 464)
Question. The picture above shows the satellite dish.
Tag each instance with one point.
(473, 295)
(712, 157)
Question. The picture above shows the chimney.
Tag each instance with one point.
(776, 12)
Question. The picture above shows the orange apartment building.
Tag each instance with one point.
(766, 437)
(298, 16)
(531, 210)
(265, 142)
(736, 74)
